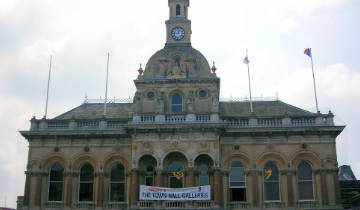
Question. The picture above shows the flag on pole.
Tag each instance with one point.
(246, 60)
(308, 52)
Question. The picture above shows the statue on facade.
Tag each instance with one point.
(137, 102)
(175, 70)
(190, 102)
(215, 100)
(160, 103)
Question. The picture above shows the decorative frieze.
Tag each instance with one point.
(326, 171)
(36, 173)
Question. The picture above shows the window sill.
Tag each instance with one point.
(307, 203)
(273, 204)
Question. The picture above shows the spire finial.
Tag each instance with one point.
(141, 71)
(213, 68)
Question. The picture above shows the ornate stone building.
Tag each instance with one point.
(176, 133)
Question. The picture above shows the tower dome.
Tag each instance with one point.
(177, 61)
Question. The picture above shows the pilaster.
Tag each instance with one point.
(27, 188)
(100, 193)
(133, 187)
(217, 187)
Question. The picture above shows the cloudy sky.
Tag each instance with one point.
(79, 33)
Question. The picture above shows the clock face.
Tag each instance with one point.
(177, 33)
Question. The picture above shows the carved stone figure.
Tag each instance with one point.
(160, 103)
(190, 102)
(215, 100)
(137, 102)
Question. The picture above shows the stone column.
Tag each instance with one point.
(100, 194)
(190, 177)
(225, 183)
(254, 174)
(68, 176)
(290, 188)
(27, 188)
(337, 188)
(37, 197)
(217, 187)
(133, 187)
(158, 178)
(324, 191)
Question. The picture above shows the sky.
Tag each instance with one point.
(80, 33)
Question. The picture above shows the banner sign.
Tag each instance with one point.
(175, 194)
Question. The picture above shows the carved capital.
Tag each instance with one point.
(225, 173)
(99, 174)
(286, 172)
(254, 172)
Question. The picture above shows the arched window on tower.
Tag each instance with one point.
(178, 10)
(176, 103)
(305, 181)
(271, 182)
(203, 177)
(117, 183)
(86, 183)
(56, 181)
(237, 182)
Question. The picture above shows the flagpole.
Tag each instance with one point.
(106, 89)
(47, 91)
(251, 105)
(312, 67)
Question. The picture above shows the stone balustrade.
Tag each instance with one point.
(240, 122)
(320, 120)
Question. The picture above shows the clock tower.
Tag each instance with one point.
(178, 27)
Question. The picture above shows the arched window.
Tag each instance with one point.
(178, 10)
(117, 183)
(271, 182)
(176, 175)
(203, 177)
(237, 182)
(86, 183)
(56, 181)
(176, 103)
(305, 181)
(149, 176)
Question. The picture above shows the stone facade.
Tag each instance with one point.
(176, 117)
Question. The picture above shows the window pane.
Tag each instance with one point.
(237, 174)
(176, 166)
(272, 191)
(237, 184)
(86, 173)
(117, 173)
(237, 194)
(86, 192)
(149, 181)
(176, 183)
(271, 171)
(204, 180)
(306, 190)
(117, 192)
(176, 103)
(304, 171)
(177, 9)
(56, 172)
(55, 191)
